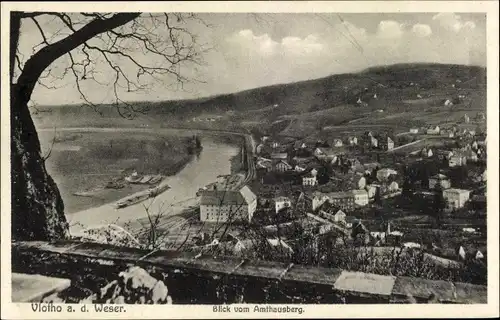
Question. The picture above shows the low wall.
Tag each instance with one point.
(215, 280)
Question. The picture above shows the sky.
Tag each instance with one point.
(248, 51)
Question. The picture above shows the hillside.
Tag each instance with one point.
(402, 91)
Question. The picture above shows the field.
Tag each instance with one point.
(306, 108)
(81, 162)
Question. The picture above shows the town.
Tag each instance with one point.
(372, 190)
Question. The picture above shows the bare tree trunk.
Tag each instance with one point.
(37, 206)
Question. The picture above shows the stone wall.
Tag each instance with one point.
(215, 280)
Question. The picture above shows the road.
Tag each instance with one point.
(405, 145)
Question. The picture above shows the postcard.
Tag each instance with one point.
(249, 159)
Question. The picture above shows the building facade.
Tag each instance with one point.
(309, 180)
(456, 198)
(282, 202)
(227, 205)
(360, 197)
(439, 180)
(342, 200)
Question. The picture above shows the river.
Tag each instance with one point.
(213, 160)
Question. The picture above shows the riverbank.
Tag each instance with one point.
(210, 163)
(94, 164)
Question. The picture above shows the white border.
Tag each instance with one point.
(10, 310)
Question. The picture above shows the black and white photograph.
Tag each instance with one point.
(250, 162)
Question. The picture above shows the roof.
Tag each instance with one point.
(386, 171)
(227, 197)
(279, 243)
(341, 194)
(280, 155)
(281, 199)
(359, 192)
(454, 190)
(328, 151)
(371, 165)
(439, 177)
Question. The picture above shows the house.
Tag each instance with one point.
(466, 118)
(470, 156)
(316, 200)
(444, 154)
(479, 255)
(337, 143)
(227, 205)
(314, 172)
(433, 130)
(299, 168)
(361, 184)
(447, 102)
(371, 190)
(474, 145)
(328, 154)
(427, 152)
(461, 253)
(480, 116)
(352, 141)
(457, 159)
(412, 245)
(414, 130)
(387, 144)
(439, 180)
(380, 233)
(360, 197)
(447, 133)
(282, 166)
(353, 163)
(299, 145)
(456, 198)
(309, 179)
(350, 220)
(340, 217)
(393, 187)
(370, 167)
(264, 165)
(383, 174)
(281, 202)
(342, 200)
(275, 144)
(481, 142)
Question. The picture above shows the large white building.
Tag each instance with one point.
(456, 198)
(281, 202)
(360, 197)
(227, 205)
